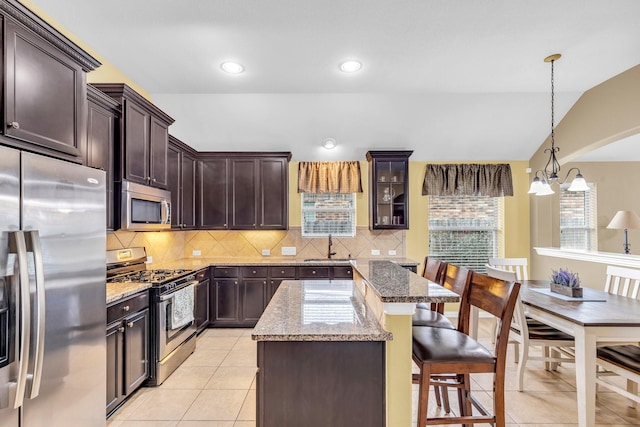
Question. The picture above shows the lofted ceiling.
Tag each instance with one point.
(450, 79)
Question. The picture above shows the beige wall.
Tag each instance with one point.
(604, 114)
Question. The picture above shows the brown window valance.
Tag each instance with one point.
(329, 177)
(468, 179)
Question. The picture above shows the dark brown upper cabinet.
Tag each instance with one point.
(243, 191)
(143, 137)
(44, 86)
(389, 189)
(181, 181)
(103, 113)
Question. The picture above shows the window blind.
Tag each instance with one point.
(578, 218)
(465, 230)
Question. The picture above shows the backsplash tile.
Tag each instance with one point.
(171, 245)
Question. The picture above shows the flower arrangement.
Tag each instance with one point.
(566, 283)
(565, 278)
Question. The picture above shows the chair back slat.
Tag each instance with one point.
(434, 270)
(518, 265)
(622, 281)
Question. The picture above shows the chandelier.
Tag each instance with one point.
(541, 184)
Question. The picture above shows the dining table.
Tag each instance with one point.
(595, 319)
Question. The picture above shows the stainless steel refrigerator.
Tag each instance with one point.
(52, 292)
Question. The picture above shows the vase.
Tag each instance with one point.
(566, 290)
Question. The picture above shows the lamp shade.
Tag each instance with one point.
(625, 220)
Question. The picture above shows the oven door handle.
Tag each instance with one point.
(170, 295)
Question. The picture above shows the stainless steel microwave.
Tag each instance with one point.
(144, 208)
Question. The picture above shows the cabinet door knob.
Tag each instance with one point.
(13, 125)
(153, 179)
(125, 308)
(121, 329)
(130, 324)
(235, 283)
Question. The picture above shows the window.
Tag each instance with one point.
(465, 230)
(578, 219)
(328, 213)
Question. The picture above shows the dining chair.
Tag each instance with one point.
(519, 265)
(622, 281)
(526, 332)
(448, 357)
(624, 359)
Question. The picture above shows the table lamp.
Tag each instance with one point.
(625, 220)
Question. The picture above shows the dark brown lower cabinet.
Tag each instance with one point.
(254, 294)
(320, 384)
(127, 349)
(225, 302)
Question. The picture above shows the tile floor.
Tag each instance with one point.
(215, 387)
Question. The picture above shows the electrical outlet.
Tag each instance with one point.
(266, 252)
(392, 252)
(196, 252)
(375, 251)
(149, 259)
(288, 250)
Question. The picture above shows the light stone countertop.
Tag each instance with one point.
(118, 291)
(394, 284)
(198, 263)
(318, 310)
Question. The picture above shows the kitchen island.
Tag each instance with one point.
(338, 353)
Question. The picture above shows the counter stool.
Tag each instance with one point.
(456, 279)
(447, 357)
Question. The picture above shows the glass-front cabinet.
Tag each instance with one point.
(389, 188)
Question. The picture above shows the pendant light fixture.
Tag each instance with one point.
(541, 184)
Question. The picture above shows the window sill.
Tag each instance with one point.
(610, 258)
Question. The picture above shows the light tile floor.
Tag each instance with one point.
(215, 387)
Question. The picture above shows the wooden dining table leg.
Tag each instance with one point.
(585, 340)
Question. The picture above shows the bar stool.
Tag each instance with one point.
(456, 279)
(447, 357)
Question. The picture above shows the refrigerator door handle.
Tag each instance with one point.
(18, 246)
(35, 377)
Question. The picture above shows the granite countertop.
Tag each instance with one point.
(118, 291)
(318, 310)
(392, 283)
(197, 263)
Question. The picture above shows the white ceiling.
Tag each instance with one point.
(449, 79)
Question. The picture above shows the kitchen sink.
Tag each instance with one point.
(327, 259)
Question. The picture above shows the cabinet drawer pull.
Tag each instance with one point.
(13, 125)
(130, 324)
(253, 272)
(125, 308)
(121, 329)
(313, 272)
(282, 272)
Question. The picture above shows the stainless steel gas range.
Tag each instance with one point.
(173, 328)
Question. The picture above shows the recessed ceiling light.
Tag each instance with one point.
(329, 143)
(232, 67)
(350, 66)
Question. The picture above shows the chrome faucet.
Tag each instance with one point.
(329, 253)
